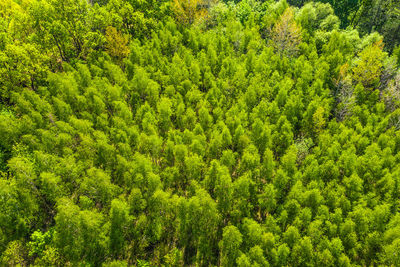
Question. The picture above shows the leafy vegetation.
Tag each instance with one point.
(199, 133)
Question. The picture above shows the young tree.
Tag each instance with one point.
(187, 11)
(230, 245)
(120, 218)
(286, 34)
(369, 67)
(117, 44)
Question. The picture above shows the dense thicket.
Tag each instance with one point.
(367, 16)
(196, 133)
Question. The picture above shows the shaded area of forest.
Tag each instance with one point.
(199, 133)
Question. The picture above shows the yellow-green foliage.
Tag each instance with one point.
(147, 133)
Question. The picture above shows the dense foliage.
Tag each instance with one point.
(176, 133)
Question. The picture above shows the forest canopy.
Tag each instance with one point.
(199, 133)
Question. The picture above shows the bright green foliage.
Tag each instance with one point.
(229, 245)
(120, 219)
(169, 133)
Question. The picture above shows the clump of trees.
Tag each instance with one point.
(202, 133)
